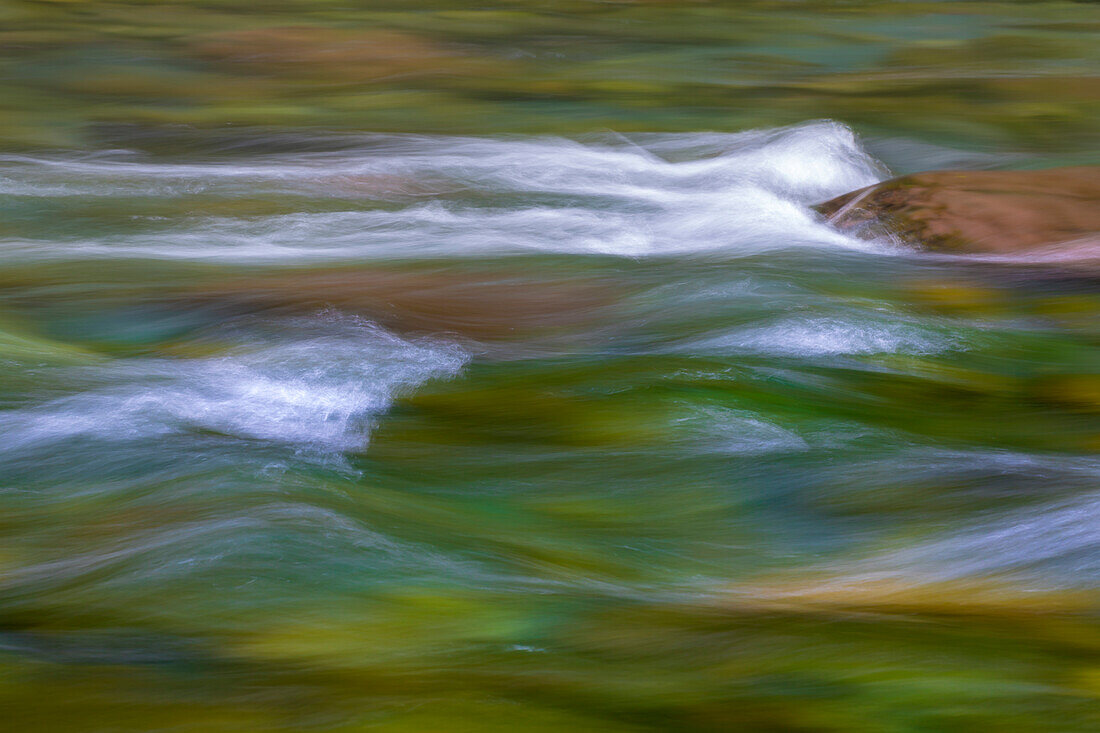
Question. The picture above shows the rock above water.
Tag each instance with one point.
(981, 212)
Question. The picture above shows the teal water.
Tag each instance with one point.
(436, 368)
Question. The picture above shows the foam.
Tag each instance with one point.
(651, 195)
(320, 388)
(816, 336)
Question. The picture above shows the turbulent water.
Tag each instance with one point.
(533, 432)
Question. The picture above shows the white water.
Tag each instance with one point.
(655, 194)
(318, 386)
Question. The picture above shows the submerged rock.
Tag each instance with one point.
(1056, 211)
(480, 304)
(329, 54)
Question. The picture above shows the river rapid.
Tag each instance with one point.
(609, 432)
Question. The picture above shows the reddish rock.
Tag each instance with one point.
(980, 212)
(327, 53)
(482, 305)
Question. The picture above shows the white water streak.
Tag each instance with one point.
(651, 195)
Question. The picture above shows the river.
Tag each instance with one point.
(599, 429)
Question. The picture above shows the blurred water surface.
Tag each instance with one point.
(416, 367)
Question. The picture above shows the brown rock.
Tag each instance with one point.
(479, 304)
(981, 212)
(328, 53)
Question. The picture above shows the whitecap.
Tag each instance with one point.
(650, 195)
(810, 336)
(320, 387)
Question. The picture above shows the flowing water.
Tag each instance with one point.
(535, 432)
(527, 428)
